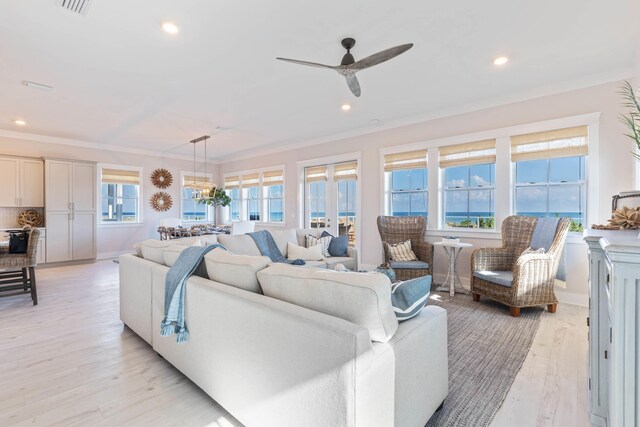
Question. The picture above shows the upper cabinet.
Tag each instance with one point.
(23, 182)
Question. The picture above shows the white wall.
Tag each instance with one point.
(616, 167)
(113, 240)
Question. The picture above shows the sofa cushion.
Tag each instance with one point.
(313, 253)
(409, 264)
(240, 244)
(315, 264)
(502, 278)
(348, 262)
(152, 250)
(282, 237)
(324, 242)
(360, 298)
(338, 245)
(235, 270)
(408, 298)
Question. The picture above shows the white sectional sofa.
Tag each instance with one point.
(338, 358)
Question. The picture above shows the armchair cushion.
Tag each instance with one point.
(502, 278)
(409, 264)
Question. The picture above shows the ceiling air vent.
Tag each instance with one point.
(80, 7)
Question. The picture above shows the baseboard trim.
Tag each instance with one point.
(572, 298)
(112, 255)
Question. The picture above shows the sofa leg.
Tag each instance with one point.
(552, 308)
(440, 407)
(515, 311)
(476, 297)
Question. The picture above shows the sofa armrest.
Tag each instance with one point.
(135, 294)
(352, 252)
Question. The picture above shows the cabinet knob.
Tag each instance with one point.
(606, 354)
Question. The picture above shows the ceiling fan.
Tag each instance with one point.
(349, 66)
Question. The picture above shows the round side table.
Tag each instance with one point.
(452, 283)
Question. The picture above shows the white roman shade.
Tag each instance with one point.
(196, 182)
(250, 180)
(273, 178)
(345, 171)
(408, 160)
(315, 174)
(231, 182)
(119, 176)
(470, 153)
(567, 142)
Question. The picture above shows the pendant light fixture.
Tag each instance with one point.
(200, 191)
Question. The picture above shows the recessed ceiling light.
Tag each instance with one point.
(20, 122)
(501, 60)
(170, 27)
(346, 107)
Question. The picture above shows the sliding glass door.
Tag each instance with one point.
(330, 198)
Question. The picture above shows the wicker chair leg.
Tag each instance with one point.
(34, 291)
(515, 311)
(552, 308)
(476, 297)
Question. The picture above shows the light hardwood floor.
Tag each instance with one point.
(70, 362)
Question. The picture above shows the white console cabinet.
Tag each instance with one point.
(614, 328)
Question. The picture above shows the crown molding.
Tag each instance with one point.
(91, 145)
(548, 90)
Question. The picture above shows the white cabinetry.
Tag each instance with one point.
(70, 190)
(22, 182)
(614, 328)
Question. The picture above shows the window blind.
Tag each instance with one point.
(196, 182)
(408, 160)
(273, 177)
(345, 171)
(567, 142)
(231, 182)
(470, 153)
(315, 174)
(117, 176)
(250, 180)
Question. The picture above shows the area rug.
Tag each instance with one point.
(486, 350)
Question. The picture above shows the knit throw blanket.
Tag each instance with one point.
(175, 287)
(267, 247)
(543, 236)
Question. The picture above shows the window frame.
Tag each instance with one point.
(389, 191)
(208, 210)
(139, 206)
(267, 203)
(468, 188)
(581, 183)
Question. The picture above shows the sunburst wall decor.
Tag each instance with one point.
(161, 178)
(161, 201)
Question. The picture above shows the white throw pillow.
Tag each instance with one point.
(235, 270)
(324, 243)
(314, 253)
(360, 298)
(401, 251)
(239, 244)
(152, 250)
(171, 253)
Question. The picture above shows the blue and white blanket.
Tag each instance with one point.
(175, 288)
(267, 247)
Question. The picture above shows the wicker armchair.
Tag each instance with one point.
(396, 229)
(520, 280)
(18, 270)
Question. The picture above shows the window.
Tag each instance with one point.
(232, 186)
(251, 196)
(120, 190)
(191, 209)
(316, 182)
(550, 174)
(469, 184)
(273, 184)
(406, 183)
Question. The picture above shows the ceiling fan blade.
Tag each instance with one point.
(353, 83)
(380, 57)
(310, 64)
